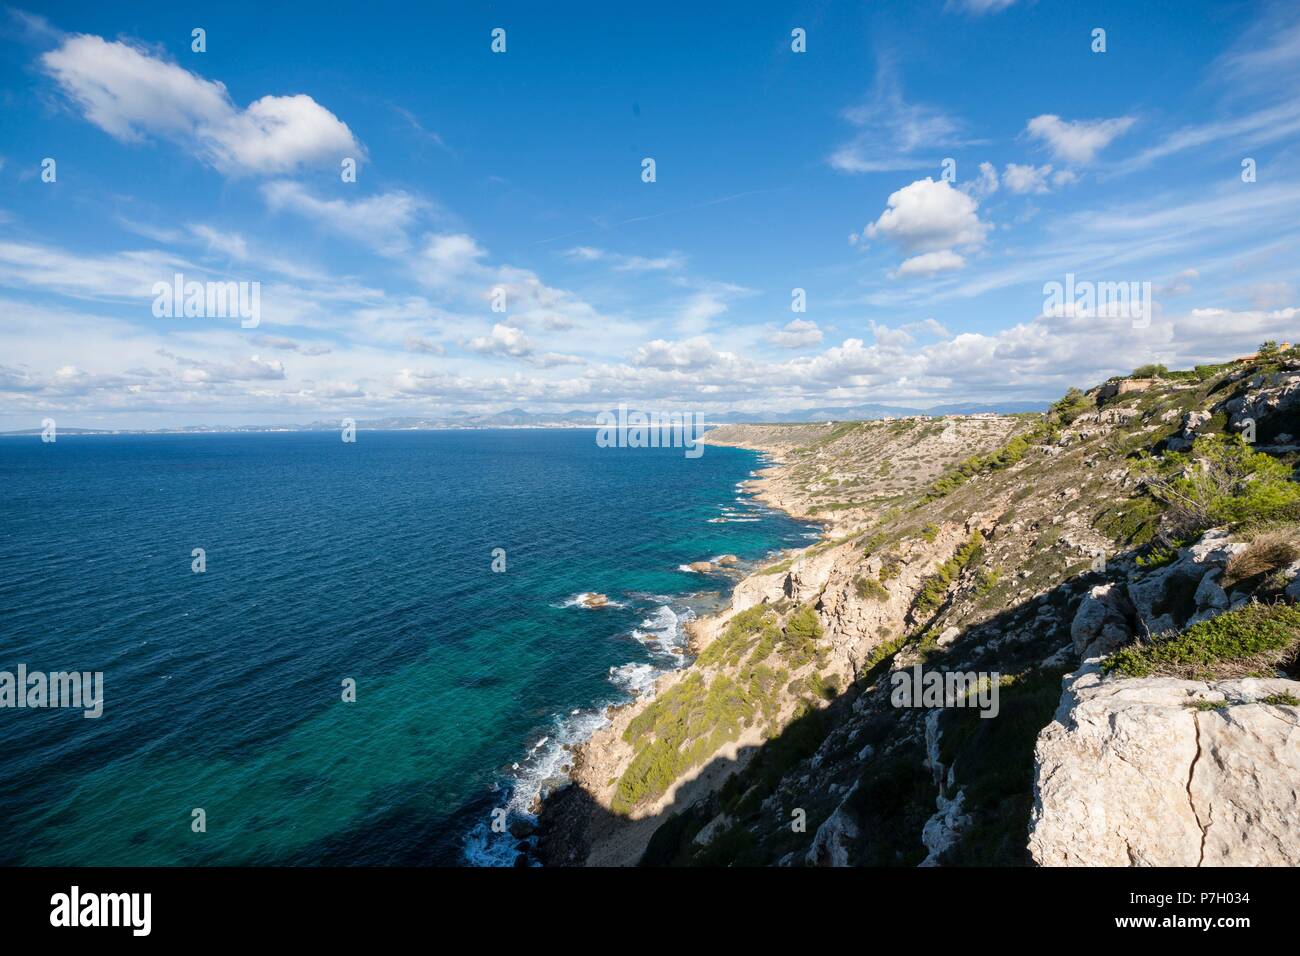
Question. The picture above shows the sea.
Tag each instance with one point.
(318, 652)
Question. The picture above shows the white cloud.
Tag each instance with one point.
(289, 345)
(929, 216)
(890, 338)
(1269, 295)
(986, 184)
(231, 244)
(414, 343)
(981, 7)
(797, 334)
(625, 263)
(503, 340)
(132, 95)
(932, 326)
(1026, 179)
(930, 263)
(251, 369)
(112, 275)
(380, 221)
(693, 353)
(1180, 284)
(447, 256)
(1077, 141)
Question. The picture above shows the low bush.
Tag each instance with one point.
(870, 589)
(1255, 638)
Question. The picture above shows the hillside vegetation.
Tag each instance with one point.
(1131, 533)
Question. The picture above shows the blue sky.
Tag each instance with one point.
(522, 171)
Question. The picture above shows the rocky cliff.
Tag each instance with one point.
(1102, 597)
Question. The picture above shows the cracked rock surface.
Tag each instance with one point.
(1136, 772)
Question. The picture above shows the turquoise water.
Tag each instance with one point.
(325, 561)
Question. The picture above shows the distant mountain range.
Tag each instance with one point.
(578, 418)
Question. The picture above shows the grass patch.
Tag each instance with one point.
(1269, 551)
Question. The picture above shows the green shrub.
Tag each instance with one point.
(824, 687)
(1134, 522)
(1205, 372)
(802, 631)
(1253, 638)
(935, 588)
(1149, 371)
(1158, 557)
(1223, 481)
(684, 725)
(741, 633)
(870, 589)
(1073, 404)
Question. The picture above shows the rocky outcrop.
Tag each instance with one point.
(834, 838)
(1151, 772)
(1187, 590)
(1102, 622)
(1267, 399)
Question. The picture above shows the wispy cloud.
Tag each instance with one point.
(894, 134)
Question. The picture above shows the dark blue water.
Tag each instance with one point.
(326, 561)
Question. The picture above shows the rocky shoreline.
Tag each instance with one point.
(1030, 557)
(574, 828)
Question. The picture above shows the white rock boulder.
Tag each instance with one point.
(1131, 772)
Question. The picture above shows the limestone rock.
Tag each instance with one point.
(1129, 774)
(1209, 594)
(1101, 622)
(834, 838)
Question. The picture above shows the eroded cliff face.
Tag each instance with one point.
(1032, 558)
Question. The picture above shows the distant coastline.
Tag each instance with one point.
(520, 419)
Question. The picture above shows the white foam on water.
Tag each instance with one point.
(534, 776)
(634, 679)
(542, 770)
